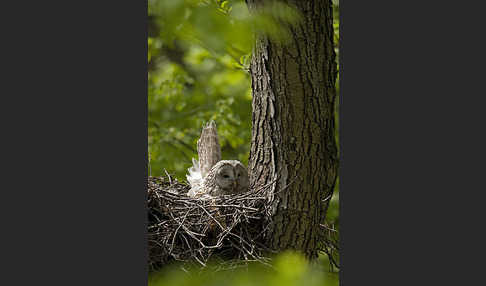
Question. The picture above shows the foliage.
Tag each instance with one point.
(198, 70)
(288, 269)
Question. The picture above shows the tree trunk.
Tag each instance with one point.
(293, 141)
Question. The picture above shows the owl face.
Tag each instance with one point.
(232, 178)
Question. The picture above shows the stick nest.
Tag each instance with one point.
(195, 230)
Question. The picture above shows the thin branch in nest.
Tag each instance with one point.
(168, 176)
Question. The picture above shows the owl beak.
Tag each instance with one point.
(235, 184)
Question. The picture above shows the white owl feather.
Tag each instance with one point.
(194, 178)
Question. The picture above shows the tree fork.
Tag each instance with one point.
(293, 141)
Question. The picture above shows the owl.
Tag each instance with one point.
(226, 177)
(211, 176)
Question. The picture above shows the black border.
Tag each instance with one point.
(76, 82)
(410, 125)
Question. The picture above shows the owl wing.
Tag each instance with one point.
(209, 153)
(208, 148)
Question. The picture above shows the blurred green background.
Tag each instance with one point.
(198, 58)
(288, 269)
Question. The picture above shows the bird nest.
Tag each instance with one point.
(191, 230)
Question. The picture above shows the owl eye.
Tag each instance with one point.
(225, 176)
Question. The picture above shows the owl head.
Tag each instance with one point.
(231, 176)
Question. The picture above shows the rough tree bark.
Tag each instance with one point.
(293, 126)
